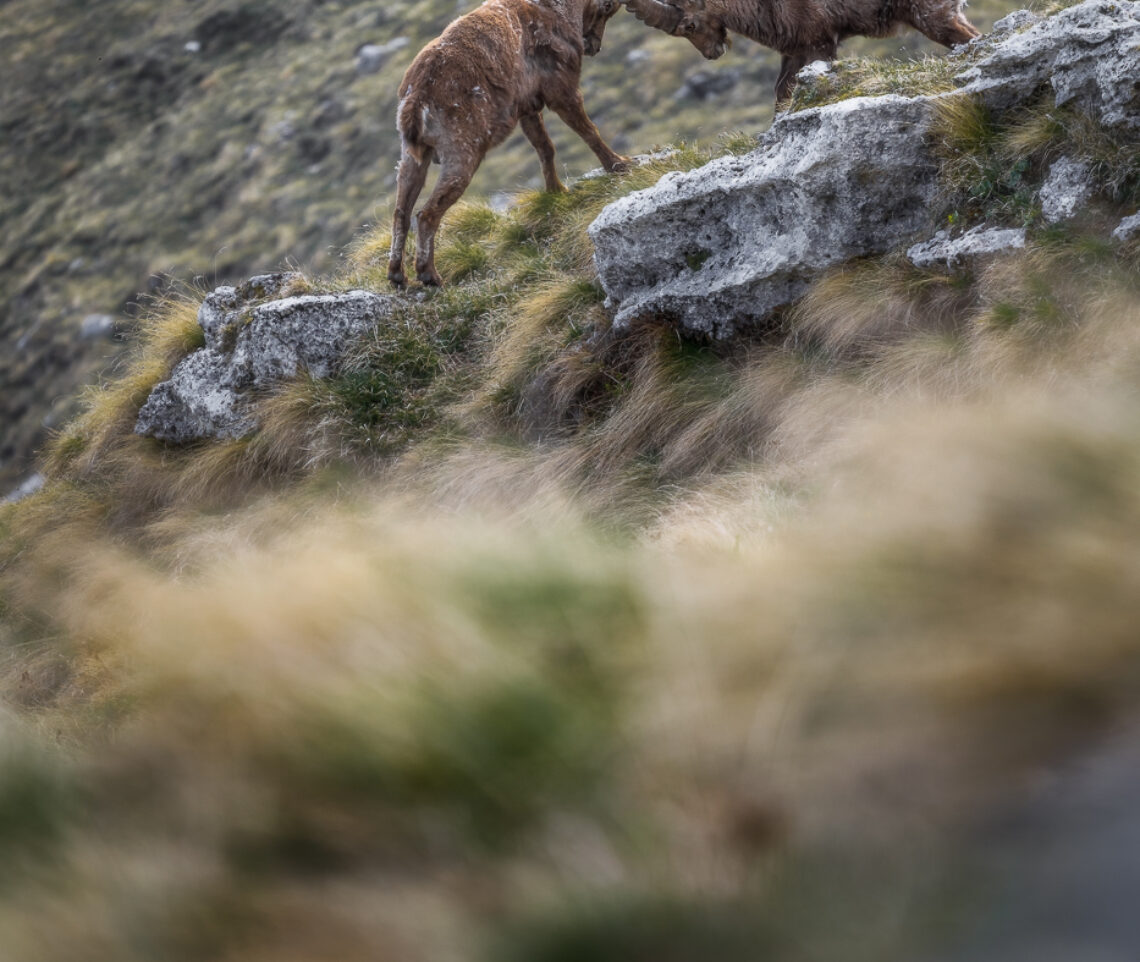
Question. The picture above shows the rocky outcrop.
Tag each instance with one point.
(1086, 54)
(254, 339)
(730, 242)
(722, 247)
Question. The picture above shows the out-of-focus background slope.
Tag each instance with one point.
(144, 144)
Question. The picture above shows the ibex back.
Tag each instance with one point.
(802, 30)
(496, 67)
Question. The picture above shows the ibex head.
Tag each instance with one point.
(595, 16)
(684, 18)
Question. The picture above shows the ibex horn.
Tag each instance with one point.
(654, 13)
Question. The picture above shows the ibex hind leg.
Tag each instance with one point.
(535, 131)
(410, 182)
(454, 176)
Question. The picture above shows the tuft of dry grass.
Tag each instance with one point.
(168, 332)
(857, 307)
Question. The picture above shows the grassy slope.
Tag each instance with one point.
(524, 640)
(128, 163)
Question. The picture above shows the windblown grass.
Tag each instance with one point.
(464, 721)
(526, 638)
(992, 165)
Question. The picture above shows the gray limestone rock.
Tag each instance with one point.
(726, 244)
(1066, 190)
(251, 344)
(945, 251)
(594, 173)
(816, 70)
(1087, 53)
(1014, 22)
(1128, 229)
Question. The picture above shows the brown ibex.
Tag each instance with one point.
(802, 31)
(491, 69)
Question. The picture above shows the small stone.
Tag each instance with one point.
(501, 200)
(266, 286)
(283, 131)
(944, 251)
(95, 326)
(706, 84)
(638, 160)
(25, 489)
(816, 70)
(192, 46)
(1128, 229)
(1066, 190)
(372, 56)
(212, 314)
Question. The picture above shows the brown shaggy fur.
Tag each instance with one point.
(496, 67)
(802, 30)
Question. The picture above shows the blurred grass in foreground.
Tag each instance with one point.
(420, 726)
(525, 638)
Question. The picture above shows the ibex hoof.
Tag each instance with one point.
(397, 279)
(430, 280)
(623, 165)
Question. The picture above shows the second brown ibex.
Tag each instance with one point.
(802, 31)
(493, 69)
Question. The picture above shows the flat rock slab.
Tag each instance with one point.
(251, 345)
(951, 253)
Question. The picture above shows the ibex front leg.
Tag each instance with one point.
(573, 112)
(793, 63)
